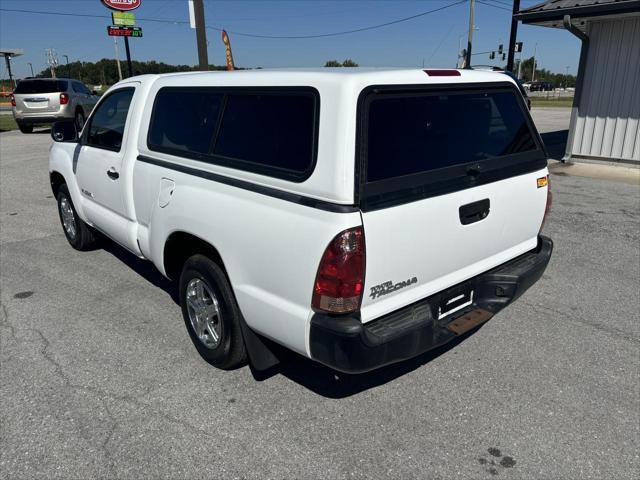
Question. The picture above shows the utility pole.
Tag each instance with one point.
(472, 8)
(68, 70)
(533, 70)
(513, 35)
(7, 59)
(52, 61)
(520, 65)
(201, 34)
(31, 67)
(115, 43)
(128, 52)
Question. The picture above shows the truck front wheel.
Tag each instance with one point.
(78, 233)
(211, 313)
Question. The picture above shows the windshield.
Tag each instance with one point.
(41, 86)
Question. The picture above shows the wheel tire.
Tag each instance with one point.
(229, 351)
(26, 128)
(79, 119)
(80, 237)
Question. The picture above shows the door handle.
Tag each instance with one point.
(112, 174)
(474, 212)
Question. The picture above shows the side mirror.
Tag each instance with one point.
(64, 131)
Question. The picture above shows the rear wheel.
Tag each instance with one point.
(25, 128)
(211, 313)
(79, 120)
(78, 233)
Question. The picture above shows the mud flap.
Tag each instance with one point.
(260, 355)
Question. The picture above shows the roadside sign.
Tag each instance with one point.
(122, 31)
(123, 18)
(122, 5)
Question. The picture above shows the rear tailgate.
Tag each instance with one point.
(38, 95)
(448, 187)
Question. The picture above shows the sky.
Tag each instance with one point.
(431, 39)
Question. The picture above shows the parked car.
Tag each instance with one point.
(42, 101)
(358, 218)
(541, 87)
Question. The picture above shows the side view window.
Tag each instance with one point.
(106, 126)
(266, 131)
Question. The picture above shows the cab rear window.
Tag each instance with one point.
(409, 134)
(41, 86)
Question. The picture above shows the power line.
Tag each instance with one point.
(494, 6)
(244, 34)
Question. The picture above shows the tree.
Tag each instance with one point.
(543, 75)
(347, 63)
(105, 71)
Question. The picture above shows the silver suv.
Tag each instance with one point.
(38, 101)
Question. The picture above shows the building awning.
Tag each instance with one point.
(551, 13)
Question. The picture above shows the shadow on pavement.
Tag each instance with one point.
(556, 143)
(314, 376)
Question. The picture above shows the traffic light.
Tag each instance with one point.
(504, 56)
(500, 49)
(518, 47)
(492, 55)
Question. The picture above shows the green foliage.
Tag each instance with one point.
(347, 63)
(105, 71)
(544, 75)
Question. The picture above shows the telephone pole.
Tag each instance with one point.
(52, 61)
(472, 8)
(201, 34)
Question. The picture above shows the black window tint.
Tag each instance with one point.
(184, 120)
(108, 121)
(413, 133)
(76, 87)
(269, 130)
(41, 86)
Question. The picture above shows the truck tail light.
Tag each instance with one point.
(13, 100)
(340, 279)
(442, 72)
(64, 99)
(547, 208)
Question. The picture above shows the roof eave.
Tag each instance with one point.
(597, 10)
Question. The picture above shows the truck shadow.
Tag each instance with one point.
(329, 383)
(556, 143)
(314, 376)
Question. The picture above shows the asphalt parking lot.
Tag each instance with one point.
(99, 379)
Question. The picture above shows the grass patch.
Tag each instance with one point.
(7, 123)
(564, 102)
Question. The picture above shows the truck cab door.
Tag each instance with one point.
(99, 171)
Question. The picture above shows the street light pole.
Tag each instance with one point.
(68, 71)
(31, 67)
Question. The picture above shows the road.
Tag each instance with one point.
(98, 377)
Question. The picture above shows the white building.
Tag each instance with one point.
(605, 120)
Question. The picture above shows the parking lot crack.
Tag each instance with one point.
(616, 332)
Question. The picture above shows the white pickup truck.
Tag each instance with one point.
(357, 217)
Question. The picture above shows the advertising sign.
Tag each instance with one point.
(120, 31)
(122, 5)
(123, 18)
(229, 54)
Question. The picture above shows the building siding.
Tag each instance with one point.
(607, 123)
